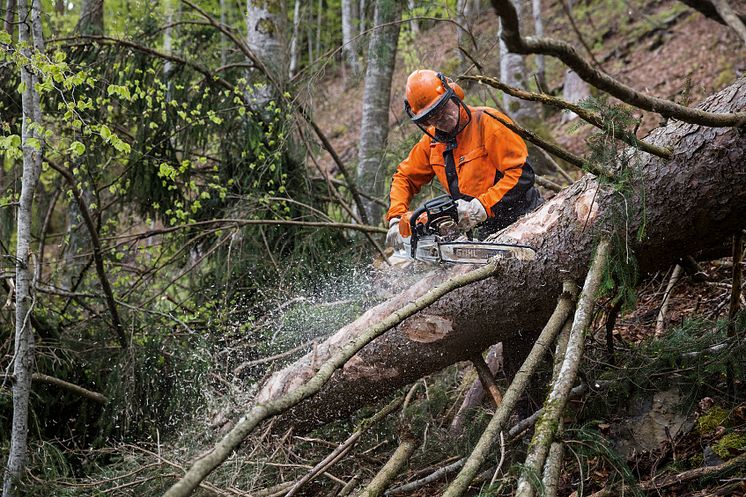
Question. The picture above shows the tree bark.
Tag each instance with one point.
(10, 16)
(349, 45)
(513, 73)
(708, 9)
(265, 23)
(91, 20)
(539, 31)
(294, 42)
(464, 39)
(29, 35)
(374, 128)
(690, 203)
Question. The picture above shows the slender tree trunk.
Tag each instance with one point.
(223, 40)
(265, 23)
(91, 20)
(464, 17)
(168, 6)
(294, 40)
(32, 143)
(375, 123)
(679, 220)
(414, 23)
(513, 73)
(362, 16)
(539, 32)
(349, 45)
(10, 15)
(319, 14)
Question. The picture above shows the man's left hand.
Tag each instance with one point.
(470, 213)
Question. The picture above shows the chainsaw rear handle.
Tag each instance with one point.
(413, 225)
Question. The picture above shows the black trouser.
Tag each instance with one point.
(509, 213)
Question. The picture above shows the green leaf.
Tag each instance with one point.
(105, 132)
(77, 148)
(5, 38)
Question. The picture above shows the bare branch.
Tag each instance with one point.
(97, 252)
(567, 54)
(590, 117)
(554, 406)
(500, 418)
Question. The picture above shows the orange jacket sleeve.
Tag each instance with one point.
(508, 152)
(411, 174)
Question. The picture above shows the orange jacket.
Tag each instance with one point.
(489, 160)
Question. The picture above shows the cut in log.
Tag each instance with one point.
(687, 204)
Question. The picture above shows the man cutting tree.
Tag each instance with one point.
(480, 162)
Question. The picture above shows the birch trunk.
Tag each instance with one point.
(294, 41)
(374, 127)
(414, 23)
(464, 18)
(539, 32)
(10, 13)
(32, 139)
(349, 45)
(513, 73)
(692, 202)
(265, 27)
(362, 16)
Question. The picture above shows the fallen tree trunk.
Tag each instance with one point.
(686, 204)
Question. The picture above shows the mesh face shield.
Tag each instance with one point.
(432, 110)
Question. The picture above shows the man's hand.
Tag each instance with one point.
(470, 213)
(392, 237)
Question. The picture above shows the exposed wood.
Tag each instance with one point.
(487, 379)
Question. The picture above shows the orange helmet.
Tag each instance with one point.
(428, 91)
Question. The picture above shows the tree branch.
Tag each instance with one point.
(97, 252)
(393, 466)
(539, 142)
(206, 464)
(546, 427)
(731, 19)
(500, 418)
(567, 54)
(66, 385)
(626, 136)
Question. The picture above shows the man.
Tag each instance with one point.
(480, 162)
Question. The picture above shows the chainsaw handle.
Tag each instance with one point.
(413, 225)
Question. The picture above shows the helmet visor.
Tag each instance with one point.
(431, 110)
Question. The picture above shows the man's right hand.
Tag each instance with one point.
(392, 237)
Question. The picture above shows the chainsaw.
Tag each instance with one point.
(436, 238)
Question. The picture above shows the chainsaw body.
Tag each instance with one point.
(437, 239)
